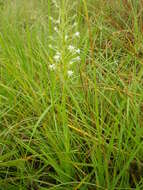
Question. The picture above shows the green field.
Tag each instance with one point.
(71, 94)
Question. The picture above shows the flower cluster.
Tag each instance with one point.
(52, 67)
(57, 56)
(71, 52)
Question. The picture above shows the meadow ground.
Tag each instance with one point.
(71, 94)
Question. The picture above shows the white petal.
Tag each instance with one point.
(52, 67)
(70, 73)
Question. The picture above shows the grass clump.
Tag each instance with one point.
(71, 95)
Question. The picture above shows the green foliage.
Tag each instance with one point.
(71, 103)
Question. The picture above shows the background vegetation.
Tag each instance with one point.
(71, 94)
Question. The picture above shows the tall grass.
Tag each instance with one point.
(71, 94)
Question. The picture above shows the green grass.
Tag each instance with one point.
(78, 132)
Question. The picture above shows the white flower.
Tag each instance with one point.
(57, 21)
(77, 51)
(75, 23)
(71, 62)
(116, 62)
(56, 29)
(70, 73)
(57, 57)
(77, 34)
(66, 37)
(71, 48)
(52, 67)
(76, 59)
(58, 53)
